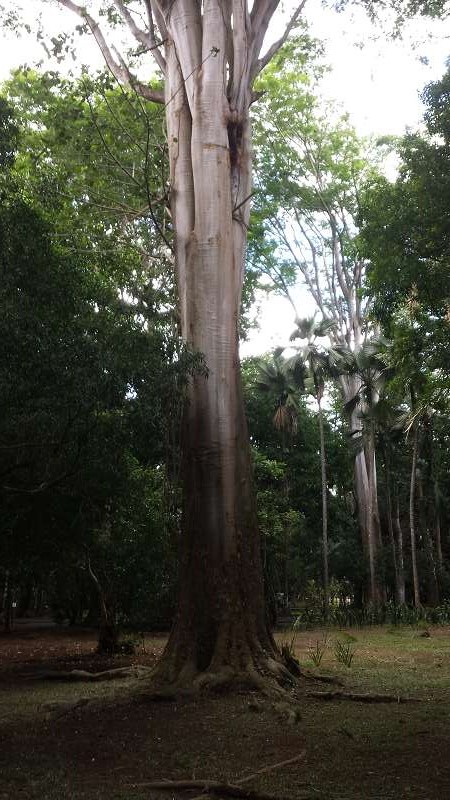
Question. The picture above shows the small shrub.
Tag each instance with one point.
(344, 652)
(441, 614)
(128, 644)
(316, 653)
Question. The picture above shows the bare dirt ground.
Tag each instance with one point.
(105, 741)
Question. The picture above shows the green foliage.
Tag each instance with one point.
(405, 234)
(307, 164)
(288, 483)
(390, 614)
(92, 376)
(344, 652)
(317, 652)
(8, 134)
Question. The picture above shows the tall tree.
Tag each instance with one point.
(213, 52)
(388, 425)
(306, 227)
(284, 385)
(404, 236)
(320, 364)
(369, 366)
(210, 55)
(279, 380)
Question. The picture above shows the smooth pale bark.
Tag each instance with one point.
(221, 617)
(390, 522)
(212, 54)
(221, 630)
(366, 499)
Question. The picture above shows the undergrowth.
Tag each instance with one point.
(343, 616)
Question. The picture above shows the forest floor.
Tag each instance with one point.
(105, 741)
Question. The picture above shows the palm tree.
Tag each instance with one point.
(285, 384)
(318, 363)
(412, 497)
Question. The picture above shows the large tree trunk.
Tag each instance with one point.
(367, 507)
(221, 631)
(213, 52)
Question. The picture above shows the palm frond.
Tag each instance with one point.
(304, 328)
(352, 404)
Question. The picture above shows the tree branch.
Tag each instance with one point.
(146, 38)
(241, 73)
(273, 49)
(120, 72)
(155, 16)
(260, 16)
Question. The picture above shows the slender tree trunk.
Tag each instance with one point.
(401, 598)
(438, 541)
(433, 596)
(399, 593)
(5, 589)
(412, 528)
(7, 604)
(371, 528)
(323, 467)
(433, 584)
(107, 630)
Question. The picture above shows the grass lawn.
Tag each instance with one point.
(104, 741)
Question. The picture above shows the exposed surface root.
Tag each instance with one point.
(257, 670)
(209, 787)
(225, 680)
(171, 694)
(82, 676)
(311, 676)
(269, 684)
(273, 767)
(288, 712)
(57, 710)
(292, 663)
(363, 698)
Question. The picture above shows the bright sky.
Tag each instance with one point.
(376, 80)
